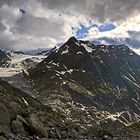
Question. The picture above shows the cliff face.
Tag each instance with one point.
(4, 59)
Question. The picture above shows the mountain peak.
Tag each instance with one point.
(72, 39)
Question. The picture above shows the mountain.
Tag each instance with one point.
(4, 58)
(91, 85)
(80, 90)
(133, 43)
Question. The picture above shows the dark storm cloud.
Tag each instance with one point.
(11, 2)
(5, 41)
(2, 27)
(101, 10)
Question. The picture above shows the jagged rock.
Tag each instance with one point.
(10, 136)
(22, 120)
(18, 128)
(37, 126)
(58, 134)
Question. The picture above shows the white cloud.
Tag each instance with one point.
(37, 28)
(46, 23)
(128, 34)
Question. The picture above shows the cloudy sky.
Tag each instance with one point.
(31, 24)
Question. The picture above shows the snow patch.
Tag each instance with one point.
(131, 53)
(83, 71)
(57, 74)
(25, 101)
(114, 117)
(88, 49)
(79, 53)
(68, 71)
(64, 83)
(131, 81)
(50, 62)
(26, 72)
(101, 61)
(52, 77)
(65, 67)
(48, 67)
(55, 64)
(77, 44)
(66, 51)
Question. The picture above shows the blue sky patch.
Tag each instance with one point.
(82, 31)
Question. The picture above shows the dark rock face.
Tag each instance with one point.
(80, 79)
(4, 59)
(17, 52)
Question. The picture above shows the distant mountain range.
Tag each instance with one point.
(133, 43)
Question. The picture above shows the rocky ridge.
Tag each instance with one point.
(91, 85)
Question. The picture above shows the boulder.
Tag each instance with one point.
(22, 120)
(37, 126)
(18, 128)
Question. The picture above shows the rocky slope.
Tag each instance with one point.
(91, 85)
(24, 118)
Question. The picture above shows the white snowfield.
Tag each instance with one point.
(88, 49)
(14, 73)
(18, 65)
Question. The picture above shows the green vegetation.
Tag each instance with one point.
(77, 87)
(101, 90)
(104, 90)
(134, 127)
